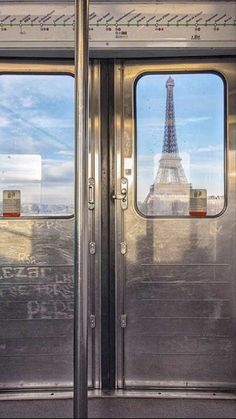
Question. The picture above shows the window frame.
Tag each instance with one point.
(225, 141)
(34, 69)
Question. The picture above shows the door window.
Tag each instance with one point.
(180, 137)
(37, 144)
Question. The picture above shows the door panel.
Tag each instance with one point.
(36, 254)
(175, 276)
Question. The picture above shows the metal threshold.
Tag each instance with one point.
(119, 394)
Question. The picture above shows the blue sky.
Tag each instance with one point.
(37, 118)
(199, 114)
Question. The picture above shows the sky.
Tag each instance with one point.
(199, 115)
(37, 123)
(37, 129)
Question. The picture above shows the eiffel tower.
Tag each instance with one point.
(169, 195)
(170, 168)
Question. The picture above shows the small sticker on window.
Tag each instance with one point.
(198, 202)
(11, 203)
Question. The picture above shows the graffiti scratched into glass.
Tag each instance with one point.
(180, 144)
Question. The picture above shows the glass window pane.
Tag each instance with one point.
(37, 142)
(180, 144)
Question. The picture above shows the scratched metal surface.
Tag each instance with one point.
(36, 286)
(179, 280)
(36, 303)
(118, 407)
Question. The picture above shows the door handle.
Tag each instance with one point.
(91, 193)
(123, 195)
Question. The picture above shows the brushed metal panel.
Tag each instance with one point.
(36, 294)
(124, 29)
(36, 287)
(177, 286)
(182, 292)
(95, 227)
(120, 406)
(161, 408)
(36, 371)
(178, 326)
(181, 371)
(11, 331)
(33, 242)
(181, 309)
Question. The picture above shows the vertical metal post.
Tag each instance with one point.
(81, 210)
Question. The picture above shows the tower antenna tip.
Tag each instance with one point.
(170, 82)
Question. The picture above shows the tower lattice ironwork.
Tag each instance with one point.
(170, 167)
(170, 139)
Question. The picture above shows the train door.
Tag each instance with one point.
(174, 222)
(36, 258)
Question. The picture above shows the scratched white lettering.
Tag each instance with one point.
(20, 272)
(45, 309)
(33, 308)
(33, 272)
(48, 274)
(30, 260)
(44, 271)
(49, 310)
(7, 273)
(63, 310)
(65, 278)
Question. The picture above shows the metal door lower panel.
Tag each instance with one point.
(125, 405)
(176, 282)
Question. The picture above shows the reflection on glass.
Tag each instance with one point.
(37, 141)
(169, 166)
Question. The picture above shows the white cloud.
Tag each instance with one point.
(53, 193)
(207, 168)
(146, 158)
(27, 101)
(47, 122)
(40, 85)
(69, 153)
(209, 148)
(58, 170)
(157, 124)
(20, 167)
(4, 121)
(193, 120)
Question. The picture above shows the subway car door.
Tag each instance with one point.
(36, 258)
(174, 200)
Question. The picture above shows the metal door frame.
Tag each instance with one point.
(94, 222)
(94, 227)
(125, 75)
